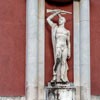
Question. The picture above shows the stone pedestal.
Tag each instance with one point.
(60, 92)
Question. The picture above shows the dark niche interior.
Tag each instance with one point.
(59, 2)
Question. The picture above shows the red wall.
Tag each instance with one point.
(12, 47)
(49, 60)
(95, 46)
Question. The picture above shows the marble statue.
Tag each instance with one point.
(61, 45)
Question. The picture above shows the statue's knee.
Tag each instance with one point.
(58, 60)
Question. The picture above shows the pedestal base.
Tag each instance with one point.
(60, 92)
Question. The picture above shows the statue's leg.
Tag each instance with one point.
(64, 66)
(57, 62)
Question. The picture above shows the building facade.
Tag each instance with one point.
(26, 52)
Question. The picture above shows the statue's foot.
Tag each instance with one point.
(64, 82)
(54, 80)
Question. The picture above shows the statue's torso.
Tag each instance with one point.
(61, 37)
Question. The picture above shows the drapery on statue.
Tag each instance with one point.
(61, 45)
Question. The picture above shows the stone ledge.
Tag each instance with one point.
(12, 98)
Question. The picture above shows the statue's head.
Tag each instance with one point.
(62, 20)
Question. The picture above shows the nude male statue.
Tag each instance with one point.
(61, 45)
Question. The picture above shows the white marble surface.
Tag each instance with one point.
(60, 93)
(85, 49)
(65, 94)
(95, 98)
(23, 98)
(76, 48)
(12, 98)
(41, 53)
(84, 7)
(32, 49)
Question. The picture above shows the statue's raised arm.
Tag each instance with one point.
(55, 12)
(49, 19)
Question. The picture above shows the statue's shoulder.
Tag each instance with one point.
(67, 31)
